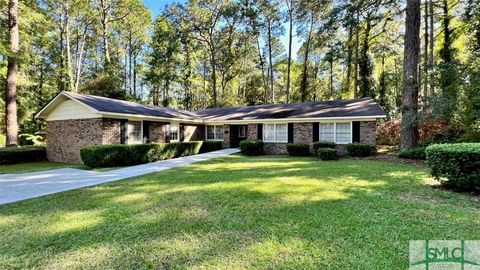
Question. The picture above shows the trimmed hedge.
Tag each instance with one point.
(361, 150)
(298, 149)
(327, 154)
(457, 165)
(13, 155)
(323, 144)
(209, 146)
(413, 153)
(251, 147)
(117, 155)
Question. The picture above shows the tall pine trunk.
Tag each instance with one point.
(304, 83)
(425, 53)
(12, 70)
(409, 130)
(432, 46)
(357, 41)
(270, 61)
(290, 38)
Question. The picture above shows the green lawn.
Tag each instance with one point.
(37, 166)
(238, 212)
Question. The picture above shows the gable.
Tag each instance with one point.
(70, 109)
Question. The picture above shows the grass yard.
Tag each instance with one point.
(37, 166)
(239, 212)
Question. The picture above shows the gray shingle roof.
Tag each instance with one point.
(120, 106)
(364, 107)
(335, 108)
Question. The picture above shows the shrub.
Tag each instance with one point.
(29, 139)
(361, 150)
(457, 165)
(388, 132)
(413, 153)
(298, 149)
(251, 147)
(327, 154)
(209, 146)
(116, 155)
(323, 144)
(12, 155)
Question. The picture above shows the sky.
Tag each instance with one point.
(156, 6)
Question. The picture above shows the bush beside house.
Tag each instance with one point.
(361, 150)
(13, 155)
(457, 165)
(251, 147)
(323, 144)
(327, 154)
(209, 146)
(117, 155)
(298, 149)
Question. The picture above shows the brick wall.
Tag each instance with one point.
(111, 129)
(193, 133)
(368, 132)
(252, 131)
(157, 132)
(226, 136)
(66, 137)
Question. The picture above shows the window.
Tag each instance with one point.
(343, 133)
(340, 133)
(275, 132)
(210, 132)
(241, 131)
(327, 132)
(218, 132)
(173, 132)
(215, 132)
(134, 132)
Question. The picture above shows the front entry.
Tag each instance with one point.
(238, 133)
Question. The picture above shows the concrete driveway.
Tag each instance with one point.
(22, 186)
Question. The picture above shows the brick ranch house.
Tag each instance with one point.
(77, 120)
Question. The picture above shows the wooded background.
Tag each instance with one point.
(216, 53)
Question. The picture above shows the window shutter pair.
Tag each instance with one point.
(355, 131)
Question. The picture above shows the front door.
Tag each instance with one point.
(238, 133)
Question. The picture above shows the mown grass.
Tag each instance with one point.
(240, 213)
(37, 166)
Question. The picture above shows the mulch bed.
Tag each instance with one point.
(395, 159)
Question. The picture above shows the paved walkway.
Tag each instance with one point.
(22, 186)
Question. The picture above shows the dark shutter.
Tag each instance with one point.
(181, 132)
(167, 132)
(316, 132)
(356, 131)
(259, 131)
(290, 132)
(123, 131)
(146, 132)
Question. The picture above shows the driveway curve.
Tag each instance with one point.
(22, 186)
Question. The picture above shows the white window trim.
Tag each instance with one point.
(335, 130)
(274, 132)
(177, 124)
(214, 133)
(129, 139)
